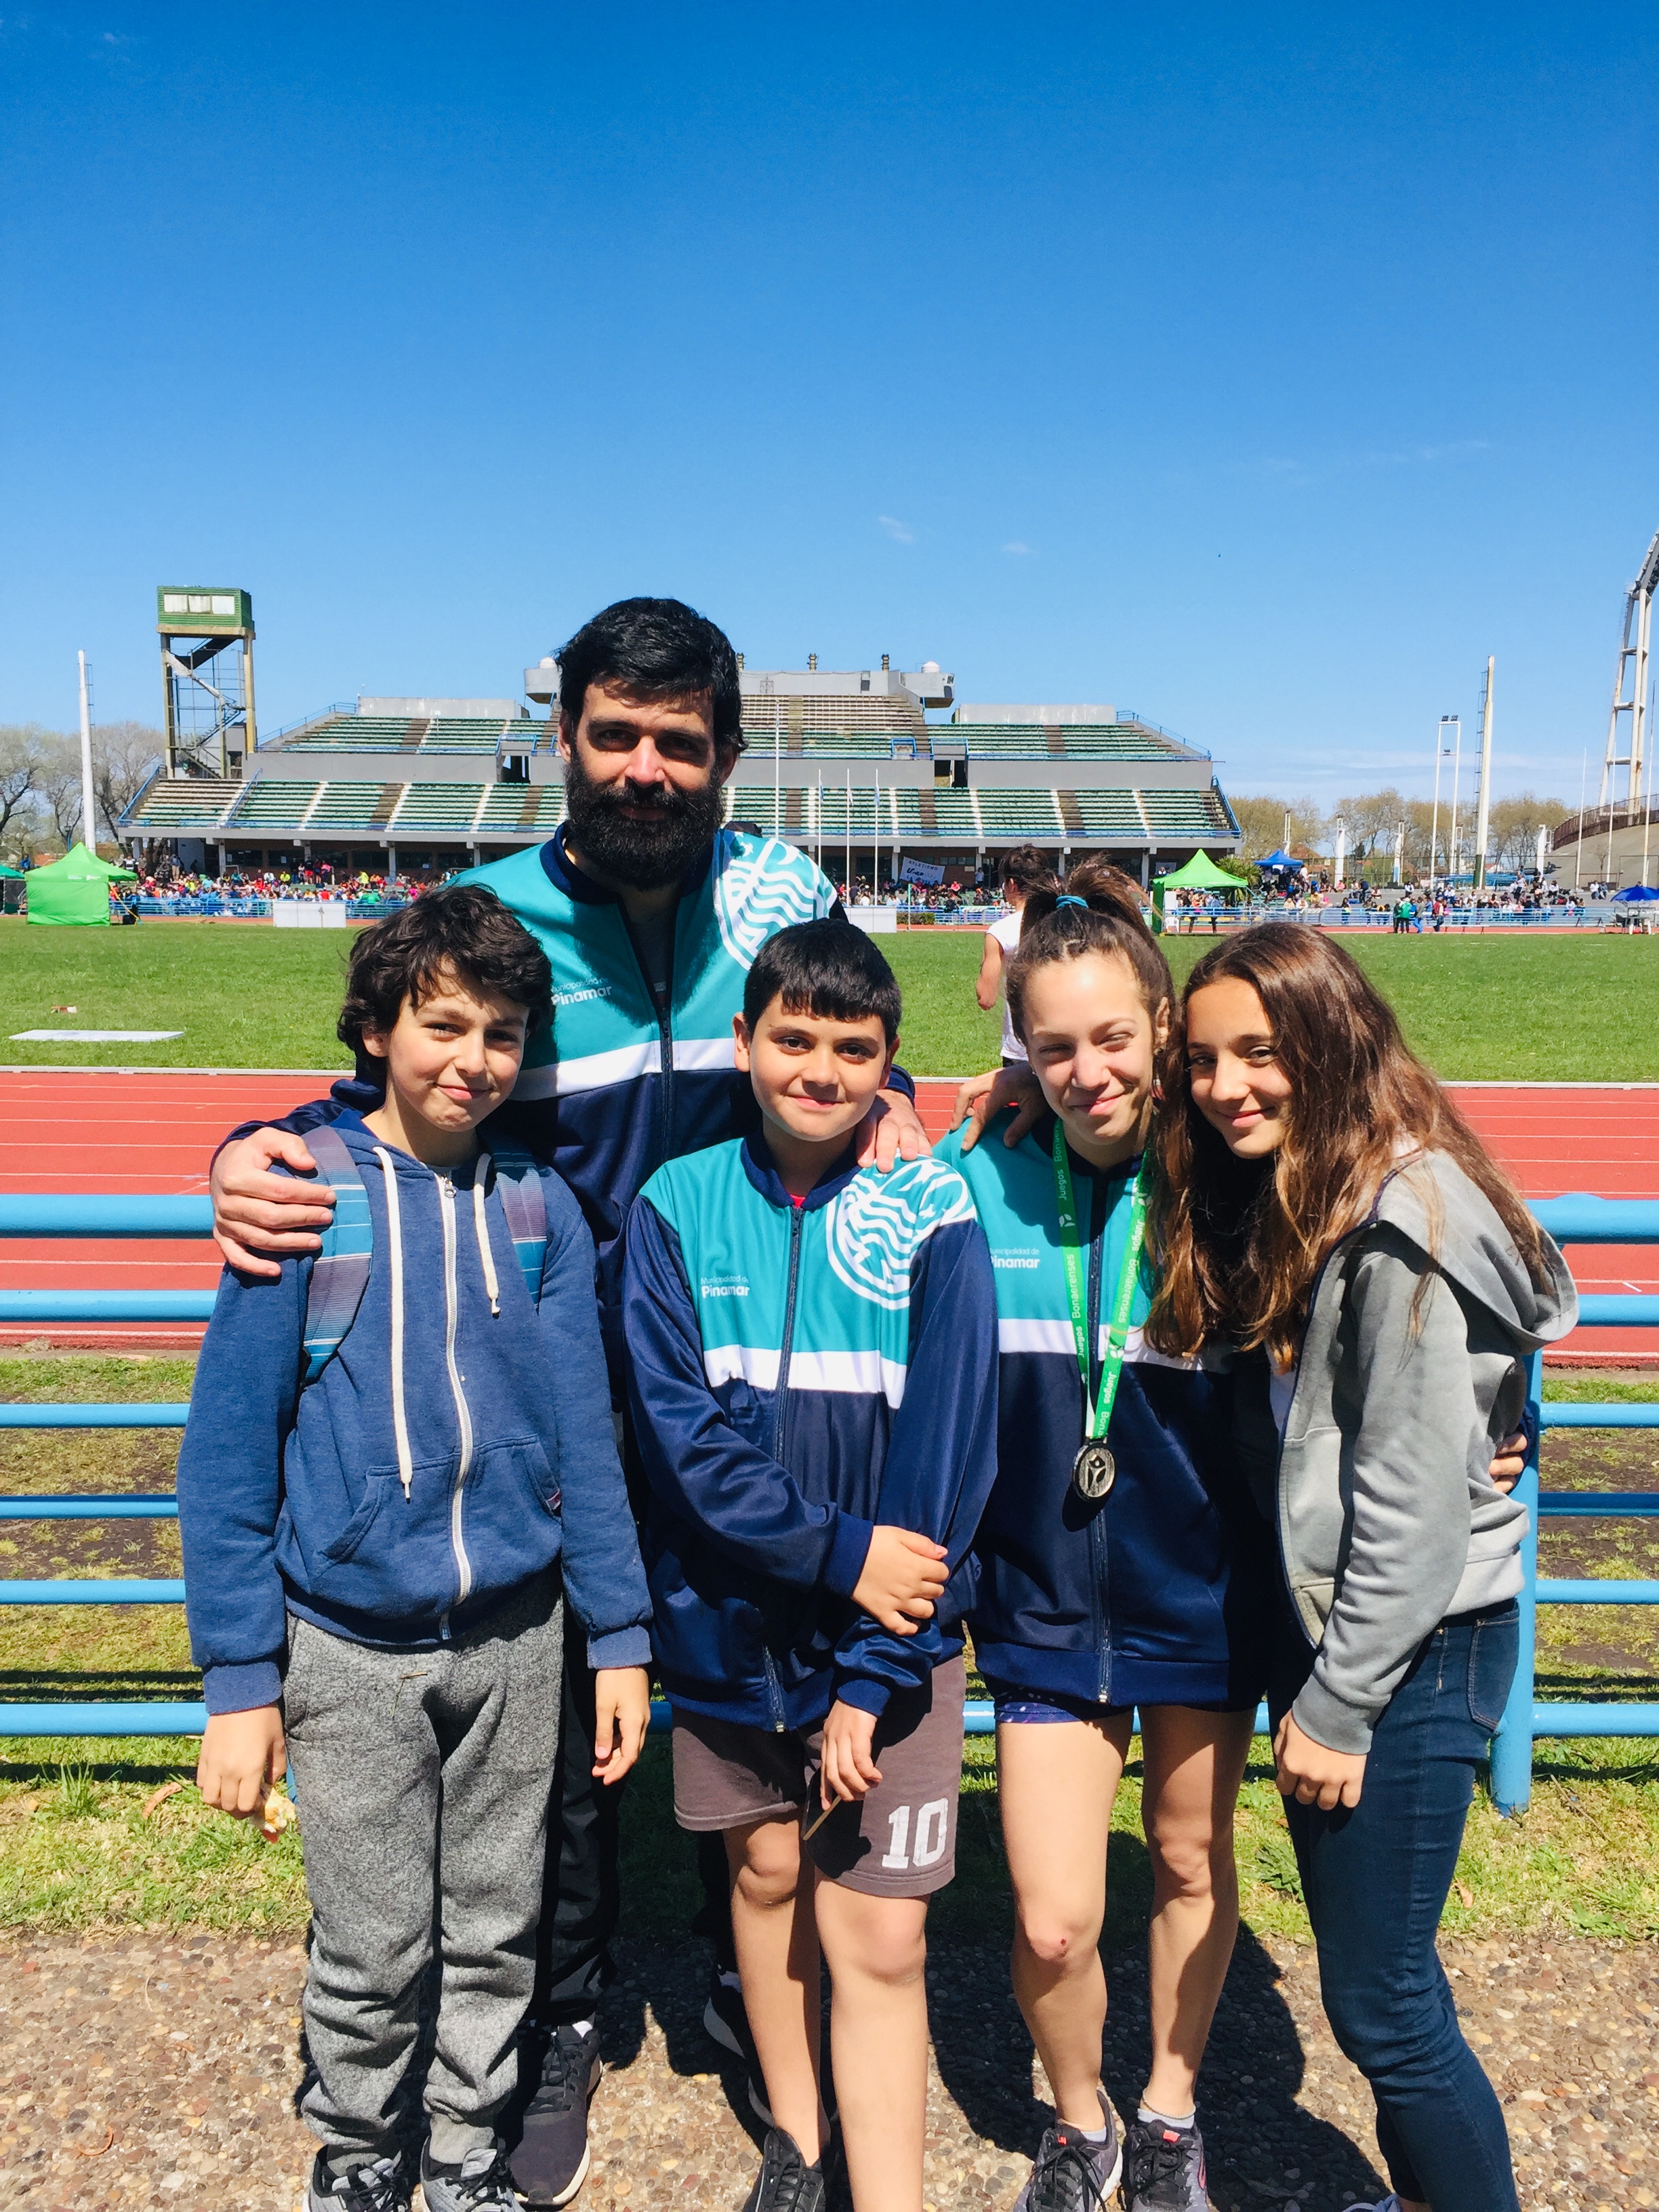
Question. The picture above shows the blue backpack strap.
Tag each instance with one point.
(519, 1179)
(339, 1275)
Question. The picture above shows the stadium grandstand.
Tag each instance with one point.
(418, 787)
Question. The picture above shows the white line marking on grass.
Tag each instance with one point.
(92, 1037)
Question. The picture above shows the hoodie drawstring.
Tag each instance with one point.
(394, 1223)
(482, 1230)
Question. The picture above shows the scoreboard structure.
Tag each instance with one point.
(207, 679)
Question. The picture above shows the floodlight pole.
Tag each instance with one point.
(849, 837)
(1399, 850)
(1578, 849)
(1485, 779)
(1451, 836)
(1441, 749)
(89, 814)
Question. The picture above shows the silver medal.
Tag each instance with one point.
(1093, 1471)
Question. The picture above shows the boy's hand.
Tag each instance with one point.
(622, 1714)
(891, 1131)
(1312, 1773)
(255, 1212)
(903, 1574)
(847, 1765)
(244, 1755)
(982, 1098)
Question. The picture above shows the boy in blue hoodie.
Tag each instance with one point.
(813, 1379)
(397, 1456)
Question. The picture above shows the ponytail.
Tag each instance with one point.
(1096, 909)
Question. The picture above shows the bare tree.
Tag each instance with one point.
(125, 757)
(1262, 821)
(58, 783)
(23, 748)
(1514, 824)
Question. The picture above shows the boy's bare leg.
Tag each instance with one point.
(877, 1947)
(1195, 1765)
(777, 1948)
(1057, 1783)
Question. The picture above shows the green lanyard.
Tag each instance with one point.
(1117, 1337)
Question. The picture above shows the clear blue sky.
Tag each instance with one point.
(1260, 372)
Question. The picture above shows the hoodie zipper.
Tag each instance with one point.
(462, 1414)
(665, 1014)
(797, 1217)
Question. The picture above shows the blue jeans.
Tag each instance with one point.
(1375, 1879)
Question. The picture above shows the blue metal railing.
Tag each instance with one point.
(1578, 1220)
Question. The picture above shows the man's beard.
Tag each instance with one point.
(648, 853)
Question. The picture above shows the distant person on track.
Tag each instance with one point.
(376, 1571)
(651, 914)
(1025, 870)
(1335, 1225)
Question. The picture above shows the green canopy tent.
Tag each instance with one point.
(74, 892)
(1200, 873)
(9, 899)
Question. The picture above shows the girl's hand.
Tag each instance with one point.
(1510, 1464)
(244, 1756)
(622, 1714)
(849, 1766)
(1313, 1775)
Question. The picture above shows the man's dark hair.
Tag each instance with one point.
(462, 934)
(655, 649)
(828, 969)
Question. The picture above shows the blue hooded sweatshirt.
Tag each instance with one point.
(797, 1374)
(458, 1442)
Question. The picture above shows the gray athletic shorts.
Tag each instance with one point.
(900, 1841)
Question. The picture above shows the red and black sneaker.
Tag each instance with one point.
(1074, 2172)
(1163, 2168)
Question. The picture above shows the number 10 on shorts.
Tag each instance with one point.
(932, 1830)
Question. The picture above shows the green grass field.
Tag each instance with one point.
(1546, 1009)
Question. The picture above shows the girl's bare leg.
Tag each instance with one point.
(1057, 1781)
(1195, 1765)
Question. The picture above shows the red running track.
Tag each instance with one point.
(112, 1130)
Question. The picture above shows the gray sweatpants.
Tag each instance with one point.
(422, 1780)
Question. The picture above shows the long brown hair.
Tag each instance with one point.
(1108, 921)
(1239, 1242)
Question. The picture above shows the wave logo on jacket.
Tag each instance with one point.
(874, 1228)
(763, 885)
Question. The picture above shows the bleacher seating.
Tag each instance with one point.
(457, 734)
(170, 803)
(832, 812)
(1018, 813)
(441, 808)
(353, 806)
(273, 802)
(354, 733)
(1068, 741)
(1201, 815)
(954, 812)
(528, 808)
(854, 725)
(1108, 814)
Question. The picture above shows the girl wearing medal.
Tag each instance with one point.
(1325, 1209)
(1121, 1562)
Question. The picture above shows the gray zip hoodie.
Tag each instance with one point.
(1387, 1515)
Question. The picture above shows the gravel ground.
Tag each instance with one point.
(148, 2072)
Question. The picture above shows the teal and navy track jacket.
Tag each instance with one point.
(613, 1090)
(798, 1374)
(1160, 1594)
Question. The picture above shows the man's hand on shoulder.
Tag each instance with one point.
(256, 1212)
(891, 1131)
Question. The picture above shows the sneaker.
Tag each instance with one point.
(1164, 2169)
(785, 2183)
(379, 2186)
(724, 2022)
(550, 2162)
(1072, 2174)
(482, 2183)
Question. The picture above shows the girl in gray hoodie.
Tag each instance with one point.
(1331, 1215)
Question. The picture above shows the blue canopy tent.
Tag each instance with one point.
(1279, 860)
(1633, 892)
